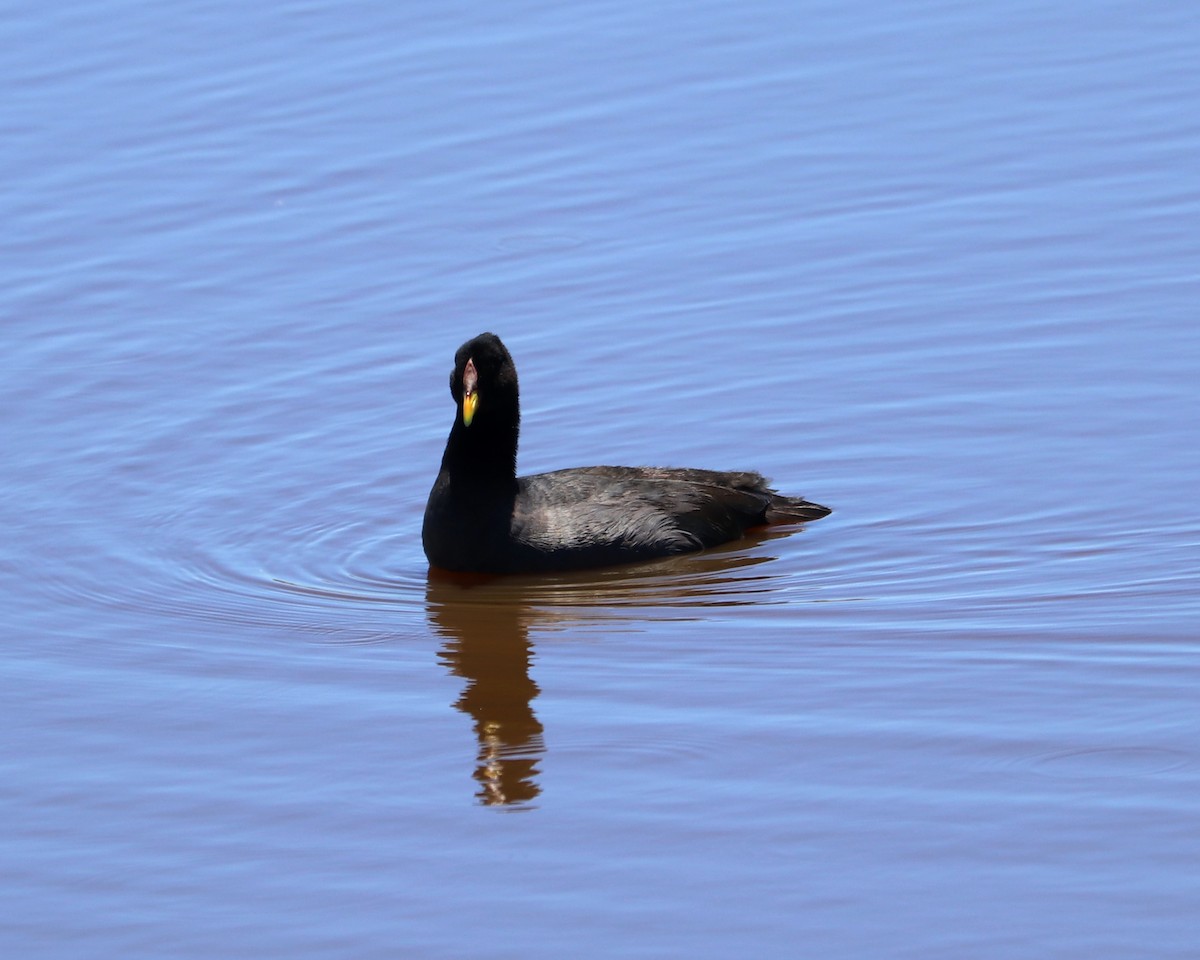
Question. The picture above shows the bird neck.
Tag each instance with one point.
(483, 453)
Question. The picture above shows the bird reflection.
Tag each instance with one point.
(487, 644)
(485, 623)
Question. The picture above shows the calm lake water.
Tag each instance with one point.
(937, 267)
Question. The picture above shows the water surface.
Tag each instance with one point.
(936, 268)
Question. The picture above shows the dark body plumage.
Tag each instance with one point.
(481, 517)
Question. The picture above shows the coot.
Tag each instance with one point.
(482, 517)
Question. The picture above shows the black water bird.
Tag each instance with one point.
(482, 517)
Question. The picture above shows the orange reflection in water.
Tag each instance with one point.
(486, 621)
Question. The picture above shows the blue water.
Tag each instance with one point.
(936, 267)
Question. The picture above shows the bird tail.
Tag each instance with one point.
(794, 510)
